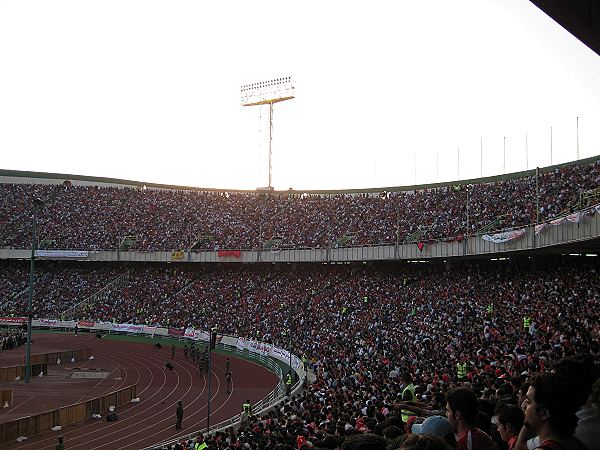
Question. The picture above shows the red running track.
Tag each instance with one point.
(151, 420)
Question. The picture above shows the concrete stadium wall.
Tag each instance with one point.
(587, 228)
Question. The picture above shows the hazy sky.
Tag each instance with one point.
(150, 90)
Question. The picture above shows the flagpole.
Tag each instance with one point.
(577, 138)
(415, 166)
(526, 153)
(481, 156)
(504, 153)
(458, 163)
(551, 162)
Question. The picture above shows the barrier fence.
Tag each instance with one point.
(67, 415)
(11, 373)
(64, 356)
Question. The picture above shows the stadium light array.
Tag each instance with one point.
(267, 93)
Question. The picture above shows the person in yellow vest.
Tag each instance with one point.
(526, 323)
(247, 407)
(490, 309)
(408, 395)
(461, 369)
(200, 444)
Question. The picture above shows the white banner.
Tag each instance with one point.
(539, 228)
(127, 327)
(196, 335)
(241, 343)
(506, 236)
(62, 253)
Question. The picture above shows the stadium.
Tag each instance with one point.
(140, 315)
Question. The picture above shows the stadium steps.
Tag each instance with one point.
(272, 243)
(118, 282)
(588, 198)
(45, 243)
(417, 236)
(202, 241)
(24, 291)
(127, 242)
(493, 225)
(342, 241)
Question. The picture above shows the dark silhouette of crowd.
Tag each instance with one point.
(99, 218)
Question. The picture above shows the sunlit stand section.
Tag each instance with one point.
(268, 93)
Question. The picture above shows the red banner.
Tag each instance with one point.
(176, 331)
(13, 319)
(234, 253)
(84, 323)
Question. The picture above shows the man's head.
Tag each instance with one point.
(423, 442)
(461, 407)
(582, 374)
(510, 421)
(365, 441)
(550, 405)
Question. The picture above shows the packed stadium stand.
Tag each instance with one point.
(83, 217)
(369, 330)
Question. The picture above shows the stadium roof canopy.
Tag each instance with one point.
(581, 18)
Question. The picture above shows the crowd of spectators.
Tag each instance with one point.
(14, 279)
(369, 330)
(98, 218)
(57, 288)
(363, 329)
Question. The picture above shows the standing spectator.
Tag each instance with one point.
(229, 382)
(61, 443)
(173, 351)
(179, 415)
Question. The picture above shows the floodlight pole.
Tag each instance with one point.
(268, 93)
(37, 203)
(271, 142)
(209, 369)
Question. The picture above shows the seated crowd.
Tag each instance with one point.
(98, 218)
(519, 335)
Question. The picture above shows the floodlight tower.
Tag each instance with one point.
(267, 93)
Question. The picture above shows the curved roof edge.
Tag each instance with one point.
(104, 181)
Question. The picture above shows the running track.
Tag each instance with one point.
(152, 420)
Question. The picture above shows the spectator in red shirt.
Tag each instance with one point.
(461, 411)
